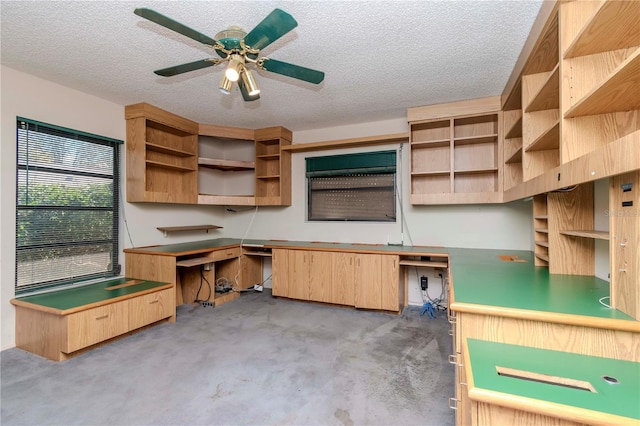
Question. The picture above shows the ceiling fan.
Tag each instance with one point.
(239, 49)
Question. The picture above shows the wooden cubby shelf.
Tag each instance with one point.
(542, 243)
(433, 173)
(542, 230)
(476, 139)
(549, 139)
(516, 130)
(541, 217)
(548, 97)
(168, 150)
(613, 26)
(541, 256)
(619, 91)
(476, 171)
(516, 157)
(152, 163)
(232, 165)
(431, 144)
(598, 235)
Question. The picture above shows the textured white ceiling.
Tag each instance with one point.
(379, 57)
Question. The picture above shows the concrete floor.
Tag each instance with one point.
(254, 361)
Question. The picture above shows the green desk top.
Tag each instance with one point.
(622, 399)
(191, 246)
(481, 278)
(71, 298)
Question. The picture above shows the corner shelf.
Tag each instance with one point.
(617, 19)
(226, 165)
(598, 235)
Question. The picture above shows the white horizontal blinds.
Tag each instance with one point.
(66, 206)
(357, 187)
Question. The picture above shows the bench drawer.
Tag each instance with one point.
(96, 325)
(152, 307)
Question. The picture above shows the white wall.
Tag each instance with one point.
(30, 97)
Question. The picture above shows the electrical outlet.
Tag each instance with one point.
(424, 282)
(206, 304)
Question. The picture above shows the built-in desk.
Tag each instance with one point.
(516, 302)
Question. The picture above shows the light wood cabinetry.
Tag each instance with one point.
(541, 230)
(59, 334)
(174, 160)
(368, 281)
(456, 159)
(273, 167)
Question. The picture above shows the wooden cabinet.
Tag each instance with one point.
(174, 160)
(369, 281)
(457, 158)
(88, 319)
(162, 156)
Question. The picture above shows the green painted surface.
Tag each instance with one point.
(622, 399)
(203, 245)
(482, 278)
(84, 295)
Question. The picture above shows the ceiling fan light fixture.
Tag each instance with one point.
(235, 67)
(250, 83)
(225, 85)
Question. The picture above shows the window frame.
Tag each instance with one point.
(22, 166)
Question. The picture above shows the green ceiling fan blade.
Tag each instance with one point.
(295, 71)
(179, 69)
(245, 92)
(274, 26)
(169, 23)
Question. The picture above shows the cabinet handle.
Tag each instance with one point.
(154, 301)
(453, 359)
(102, 317)
(451, 319)
(450, 332)
(453, 403)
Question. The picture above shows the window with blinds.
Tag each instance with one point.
(352, 187)
(67, 190)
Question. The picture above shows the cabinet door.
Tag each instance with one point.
(343, 279)
(368, 281)
(152, 307)
(320, 276)
(390, 281)
(280, 272)
(95, 325)
(299, 272)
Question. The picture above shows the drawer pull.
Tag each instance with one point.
(154, 301)
(451, 319)
(450, 332)
(102, 317)
(453, 359)
(453, 403)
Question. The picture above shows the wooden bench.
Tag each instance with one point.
(63, 323)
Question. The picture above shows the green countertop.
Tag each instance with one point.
(70, 298)
(481, 278)
(621, 399)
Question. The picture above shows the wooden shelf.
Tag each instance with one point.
(227, 165)
(613, 26)
(268, 177)
(516, 130)
(542, 257)
(433, 173)
(542, 230)
(187, 228)
(226, 200)
(167, 150)
(550, 139)
(169, 166)
(349, 143)
(542, 243)
(541, 217)
(431, 144)
(257, 253)
(516, 157)
(598, 235)
(268, 156)
(548, 97)
(476, 171)
(619, 91)
(467, 140)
